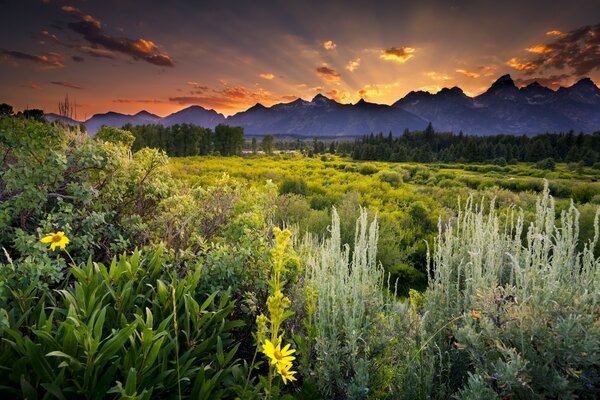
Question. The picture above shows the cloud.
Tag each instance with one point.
(521, 66)
(339, 96)
(553, 82)
(328, 75)
(267, 76)
(230, 98)
(288, 98)
(96, 52)
(77, 58)
(329, 45)
(353, 65)
(198, 88)
(139, 101)
(540, 49)
(377, 90)
(67, 84)
(399, 54)
(47, 61)
(437, 77)
(468, 74)
(33, 86)
(576, 52)
(139, 49)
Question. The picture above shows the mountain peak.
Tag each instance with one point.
(319, 98)
(585, 82)
(504, 81)
(451, 91)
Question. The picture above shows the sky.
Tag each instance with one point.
(162, 56)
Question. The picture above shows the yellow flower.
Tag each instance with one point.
(276, 354)
(286, 373)
(475, 315)
(57, 239)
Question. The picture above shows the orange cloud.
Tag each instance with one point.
(70, 9)
(329, 45)
(140, 101)
(554, 33)
(229, 98)
(353, 65)
(329, 75)
(521, 66)
(399, 54)
(377, 90)
(540, 49)
(468, 74)
(267, 76)
(339, 96)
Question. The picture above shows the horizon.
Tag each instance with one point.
(329, 98)
(232, 55)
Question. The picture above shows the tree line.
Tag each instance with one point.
(431, 146)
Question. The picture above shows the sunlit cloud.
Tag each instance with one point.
(267, 76)
(329, 45)
(339, 95)
(69, 85)
(374, 90)
(353, 65)
(198, 87)
(430, 88)
(540, 49)
(329, 75)
(96, 52)
(229, 98)
(521, 66)
(399, 54)
(468, 74)
(554, 33)
(33, 86)
(46, 61)
(437, 76)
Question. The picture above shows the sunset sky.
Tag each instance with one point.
(162, 56)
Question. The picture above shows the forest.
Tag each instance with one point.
(156, 262)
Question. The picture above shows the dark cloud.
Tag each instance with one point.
(48, 60)
(67, 84)
(77, 58)
(91, 30)
(577, 52)
(328, 74)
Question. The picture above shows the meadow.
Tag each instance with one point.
(129, 274)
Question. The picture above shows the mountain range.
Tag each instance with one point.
(503, 108)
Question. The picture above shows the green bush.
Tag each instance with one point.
(392, 177)
(293, 186)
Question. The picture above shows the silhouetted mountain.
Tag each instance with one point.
(503, 108)
(195, 115)
(324, 117)
(52, 117)
(117, 120)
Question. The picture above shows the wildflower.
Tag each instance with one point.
(476, 315)
(277, 355)
(58, 239)
(285, 372)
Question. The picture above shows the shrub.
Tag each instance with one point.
(349, 291)
(513, 318)
(367, 169)
(547, 163)
(392, 177)
(293, 186)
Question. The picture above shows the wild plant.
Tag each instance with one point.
(532, 300)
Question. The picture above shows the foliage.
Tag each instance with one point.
(130, 329)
